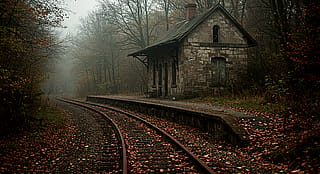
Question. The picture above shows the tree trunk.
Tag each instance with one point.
(147, 21)
(243, 11)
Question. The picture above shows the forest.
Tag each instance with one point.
(283, 81)
(285, 61)
(283, 66)
(28, 47)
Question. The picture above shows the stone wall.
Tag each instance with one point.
(198, 49)
(194, 73)
(229, 33)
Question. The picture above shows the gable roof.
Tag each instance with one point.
(180, 30)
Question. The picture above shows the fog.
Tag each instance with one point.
(61, 78)
(79, 9)
(100, 34)
(94, 59)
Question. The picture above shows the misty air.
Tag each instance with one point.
(159, 86)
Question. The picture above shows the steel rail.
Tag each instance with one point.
(123, 151)
(202, 164)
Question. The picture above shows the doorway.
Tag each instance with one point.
(218, 67)
(166, 79)
(160, 81)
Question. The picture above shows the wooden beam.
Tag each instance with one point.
(143, 59)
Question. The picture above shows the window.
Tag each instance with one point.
(160, 76)
(154, 74)
(215, 33)
(160, 80)
(218, 67)
(174, 74)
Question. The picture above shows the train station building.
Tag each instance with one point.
(204, 54)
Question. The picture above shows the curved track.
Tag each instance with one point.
(110, 161)
(148, 150)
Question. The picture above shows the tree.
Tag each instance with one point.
(287, 53)
(27, 42)
(301, 51)
(131, 18)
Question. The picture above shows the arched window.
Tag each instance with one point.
(215, 32)
(218, 67)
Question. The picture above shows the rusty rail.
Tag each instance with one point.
(198, 161)
(123, 151)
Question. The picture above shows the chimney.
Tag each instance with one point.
(190, 10)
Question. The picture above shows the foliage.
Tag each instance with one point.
(27, 42)
(287, 56)
(301, 51)
(279, 139)
(302, 46)
(12, 93)
(277, 89)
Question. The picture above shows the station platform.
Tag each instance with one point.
(198, 107)
(217, 120)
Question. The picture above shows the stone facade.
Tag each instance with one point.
(199, 65)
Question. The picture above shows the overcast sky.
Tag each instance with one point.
(80, 9)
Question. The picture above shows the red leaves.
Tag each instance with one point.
(35, 151)
(11, 84)
(301, 47)
(272, 141)
(24, 35)
(269, 142)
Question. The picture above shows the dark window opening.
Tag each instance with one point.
(154, 75)
(160, 75)
(215, 32)
(160, 80)
(218, 67)
(166, 75)
(174, 74)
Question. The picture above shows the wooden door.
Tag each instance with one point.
(218, 67)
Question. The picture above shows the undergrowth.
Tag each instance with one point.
(34, 148)
(286, 139)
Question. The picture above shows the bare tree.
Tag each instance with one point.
(131, 18)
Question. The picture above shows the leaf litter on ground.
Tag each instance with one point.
(37, 150)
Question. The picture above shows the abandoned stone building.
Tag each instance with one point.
(201, 55)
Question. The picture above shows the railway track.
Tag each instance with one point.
(149, 149)
(114, 157)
